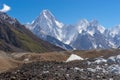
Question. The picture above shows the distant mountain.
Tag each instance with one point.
(82, 36)
(114, 35)
(49, 29)
(90, 36)
(15, 37)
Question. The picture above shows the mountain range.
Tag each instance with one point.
(14, 37)
(84, 35)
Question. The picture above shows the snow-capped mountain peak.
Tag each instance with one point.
(94, 22)
(84, 35)
(47, 27)
(47, 13)
(97, 26)
(90, 27)
(82, 25)
(50, 17)
(59, 24)
(114, 31)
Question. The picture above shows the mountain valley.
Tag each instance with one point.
(47, 49)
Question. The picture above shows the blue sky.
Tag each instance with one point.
(107, 12)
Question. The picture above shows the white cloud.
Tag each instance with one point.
(5, 8)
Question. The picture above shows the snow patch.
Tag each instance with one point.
(67, 42)
(100, 45)
(91, 70)
(118, 59)
(114, 69)
(101, 29)
(111, 59)
(26, 60)
(94, 45)
(100, 60)
(91, 33)
(112, 44)
(78, 69)
(74, 57)
(45, 72)
(60, 25)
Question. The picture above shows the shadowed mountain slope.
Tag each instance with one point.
(15, 37)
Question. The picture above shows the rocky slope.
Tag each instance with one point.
(15, 37)
(61, 71)
(95, 67)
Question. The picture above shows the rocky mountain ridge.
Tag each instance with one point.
(15, 37)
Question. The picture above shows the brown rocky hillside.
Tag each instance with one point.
(15, 37)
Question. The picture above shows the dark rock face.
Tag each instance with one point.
(56, 42)
(83, 42)
(8, 35)
(86, 42)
